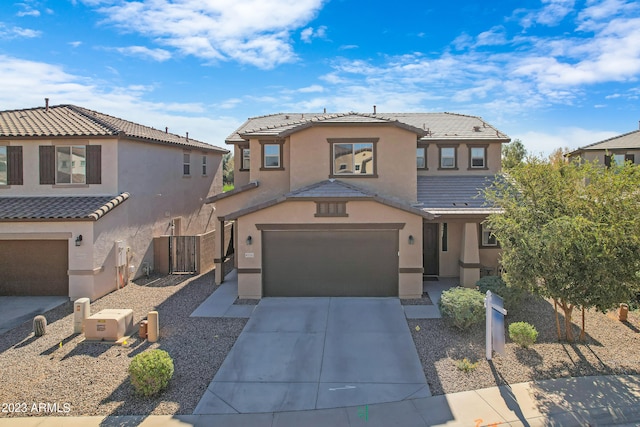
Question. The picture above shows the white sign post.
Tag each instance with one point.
(495, 324)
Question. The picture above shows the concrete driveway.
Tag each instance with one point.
(14, 311)
(315, 353)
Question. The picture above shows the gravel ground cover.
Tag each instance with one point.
(92, 378)
(611, 347)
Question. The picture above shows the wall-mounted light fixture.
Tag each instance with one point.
(249, 240)
(411, 240)
(79, 240)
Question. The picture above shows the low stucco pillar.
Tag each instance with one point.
(469, 256)
(218, 259)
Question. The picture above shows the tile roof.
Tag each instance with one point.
(429, 126)
(329, 189)
(87, 208)
(70, 120)
(630, 140)
(445, 194)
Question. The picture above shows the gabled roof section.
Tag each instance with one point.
(61, 208)
(428, 126)
(454, 194)
(332, 190)
(71, 121)
(627, 141)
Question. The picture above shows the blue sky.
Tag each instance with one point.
(550, 72)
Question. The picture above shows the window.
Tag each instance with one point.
(448, 158)
(271, 155)
(445, 237)
(186, 164)
(204, 165)
(331, 209)
(3, 166)
(488, 238)
(618, 159)
(70, 164)
(421, 157)
(353, 158)
(477, 157)
(246, 159)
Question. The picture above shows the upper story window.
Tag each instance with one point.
(204, 165)
(331, 209)
(71, 164)
(11, 165)
(272, 155)
(421, 157)
(245, 164)
(186, 164)
(353, 157)
(448, 157)
(618, 159)
(478, 157)
(3, 166)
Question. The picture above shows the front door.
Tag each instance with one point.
(430, 261)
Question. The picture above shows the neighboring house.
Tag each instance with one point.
(358, 204)
(83, 195)
(616, 150)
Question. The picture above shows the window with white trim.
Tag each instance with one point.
(246, 159)
(272, 155)
(447, 157)
(421, 157)
(477, 156)
(488, 238)
(186, 164)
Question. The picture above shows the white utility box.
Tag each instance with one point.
(121, 253)
(81, 311)
(109, 325)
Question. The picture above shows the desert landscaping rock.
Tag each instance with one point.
(92, 377)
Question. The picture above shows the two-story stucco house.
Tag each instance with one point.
(359, 204)
(83, 194)
(617, 150)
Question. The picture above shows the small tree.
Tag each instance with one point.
(227, 169)
(513, 154)
(570, 232)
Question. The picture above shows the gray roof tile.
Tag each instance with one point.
(453, 193)
(429, 126)
(627, 141)
(89, 208)
(70, 120)
(329, 189)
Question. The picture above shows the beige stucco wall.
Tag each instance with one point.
(31, 170)
(240, 177)
(395, 158)
(292, 212)
(494, 162)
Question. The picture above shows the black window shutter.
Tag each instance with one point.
(14, 157)
(94, 164)
(607, 161)
(630, 158)
(47, 164)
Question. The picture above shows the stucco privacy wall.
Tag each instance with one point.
(311, 158)
(80, 257)
(303, 212)
(31, 171)
(160, 192)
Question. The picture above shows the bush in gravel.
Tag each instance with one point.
(151, 371)
(465, 365)
(512, 296)
(463, 306)
(523, 334)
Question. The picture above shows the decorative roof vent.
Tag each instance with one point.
(476, 128)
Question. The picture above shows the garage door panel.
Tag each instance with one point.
(34, 267)
(330, 263)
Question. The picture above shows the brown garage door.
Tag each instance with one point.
(34, 267)
(330, 263)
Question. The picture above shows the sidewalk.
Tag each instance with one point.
(582, 401)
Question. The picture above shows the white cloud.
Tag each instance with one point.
(543, 143)
(550, 14)
(32, 81)
(12, 32)
(254, 32)
(348, 46)
(311, 89)
(310, 33)
(144, 52)
(75, 44)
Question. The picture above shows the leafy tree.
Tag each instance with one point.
(558, 155)
(513, 154)
(570, 232)
(227, 169)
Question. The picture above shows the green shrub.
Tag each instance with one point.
(512, 296)
(466, 365)
(463, 306)
(151, 371)
(523, 334)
